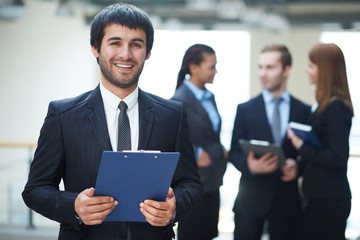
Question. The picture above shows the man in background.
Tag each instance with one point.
(268, 192)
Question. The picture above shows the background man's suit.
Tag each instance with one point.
(70, 146)
(257, 193)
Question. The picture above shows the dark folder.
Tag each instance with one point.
(261, 147)
(131, 178)
(306, 133)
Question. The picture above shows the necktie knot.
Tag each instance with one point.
(277, 101)
(123, 106)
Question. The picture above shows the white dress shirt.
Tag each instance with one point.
(111, 103)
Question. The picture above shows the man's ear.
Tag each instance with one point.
(95, 51)
(148, 55)
(286, 71)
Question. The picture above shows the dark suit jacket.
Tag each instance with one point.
(203, 135)
(325, 173)
(70, 146)
(257, 192)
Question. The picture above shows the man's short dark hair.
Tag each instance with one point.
(283, 50)
(124, 14)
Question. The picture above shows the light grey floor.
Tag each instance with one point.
(50, 233)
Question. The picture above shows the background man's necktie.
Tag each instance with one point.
(276, 122)
(124, 135)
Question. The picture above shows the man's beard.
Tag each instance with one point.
(115, 81)
(275, 87)
(278, 84)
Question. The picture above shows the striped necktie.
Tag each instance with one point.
(276, 121)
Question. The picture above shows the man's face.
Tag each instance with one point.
(271, 72)
(122, 55)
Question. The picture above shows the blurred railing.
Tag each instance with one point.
(30, 146)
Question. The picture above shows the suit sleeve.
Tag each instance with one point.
(186, 181)
(236, 156)
(42, 192)
(335, 152)
(299, 112)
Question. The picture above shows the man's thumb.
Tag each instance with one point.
(89, 192)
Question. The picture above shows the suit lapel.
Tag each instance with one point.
(293, 113)
(98, 120)
(196, 104)
(262, 116)
(146, 119)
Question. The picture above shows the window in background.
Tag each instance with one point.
(349, 44)
(231, 84)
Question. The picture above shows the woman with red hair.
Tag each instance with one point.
(326, 191)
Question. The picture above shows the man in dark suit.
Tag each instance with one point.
(76, 132)
(268, 192)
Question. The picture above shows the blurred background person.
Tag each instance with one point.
(325, 184)
(267, 192)
(199, 68)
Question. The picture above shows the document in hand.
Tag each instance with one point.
(306, 133)
(131, 178)
(261, 147)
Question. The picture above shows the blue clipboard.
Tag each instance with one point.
(132, 177)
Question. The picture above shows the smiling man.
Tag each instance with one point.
(122, 56)
(76, 132)
(267, 192)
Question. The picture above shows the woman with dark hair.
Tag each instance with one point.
(325, 185)
(198, 69)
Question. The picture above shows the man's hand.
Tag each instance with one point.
(159, 213)
(93, 209)
(265, 164)
(289, 170)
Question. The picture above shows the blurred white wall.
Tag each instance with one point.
(42, 58)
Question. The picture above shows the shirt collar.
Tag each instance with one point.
(113, 101)
(314, 106)
(200, 94)
(268, 98)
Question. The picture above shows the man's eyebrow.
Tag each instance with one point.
(138, 40)
(113, 38)
(118, 38)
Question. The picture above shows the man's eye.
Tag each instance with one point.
(115, 43)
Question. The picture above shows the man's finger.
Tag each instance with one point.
(88, 192)
(171, 194)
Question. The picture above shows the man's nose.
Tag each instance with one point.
(262, 72)
(125, 53)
